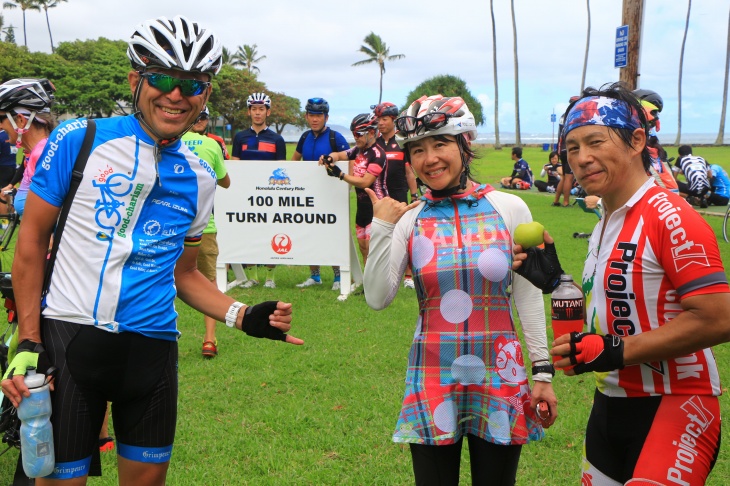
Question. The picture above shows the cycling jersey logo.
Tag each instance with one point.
(169, 229)
(179, 169)
(112, 188)
(281, 244)
(689, 253)
(279, 178)
(152, 227)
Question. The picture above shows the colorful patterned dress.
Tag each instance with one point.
(466, 371)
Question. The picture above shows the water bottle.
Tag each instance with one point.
(568, 308)
(36, 431)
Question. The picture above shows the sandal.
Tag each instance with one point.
(557, 204)
(210, 349)
(106, 444)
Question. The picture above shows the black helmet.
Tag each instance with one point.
(650, 96)
(364, 121)
(35, 95)
(317, 105)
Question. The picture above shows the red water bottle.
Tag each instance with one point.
(568, 308)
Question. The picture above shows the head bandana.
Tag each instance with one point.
(604, 111)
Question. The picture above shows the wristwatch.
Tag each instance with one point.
(414, 196)
(232, 314)
(544, 368)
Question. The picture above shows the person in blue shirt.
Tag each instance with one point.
(319, 140)
(521, 177)
(720, 190)
(129, 249)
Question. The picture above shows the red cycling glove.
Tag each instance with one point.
(593, 352)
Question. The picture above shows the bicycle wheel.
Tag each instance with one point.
(724, 224)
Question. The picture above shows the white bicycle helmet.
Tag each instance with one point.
(28, 94)
(258, 99)
(436, 115)
(175, 43)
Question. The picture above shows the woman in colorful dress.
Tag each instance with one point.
(466, 372)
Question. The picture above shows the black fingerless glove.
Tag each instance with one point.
(594, 352)
(542, 268)
(256, 321)
(333, 170)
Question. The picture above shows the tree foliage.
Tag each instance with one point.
(285, 110)
(96, 82)
(447, 85)
(91, 80)
(231, 88)
(246, 58)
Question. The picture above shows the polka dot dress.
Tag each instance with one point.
(466, 372)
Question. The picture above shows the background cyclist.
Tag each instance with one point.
(25, 115)
(319, 140)
(367, 169)
(259, 143)
(399, 177)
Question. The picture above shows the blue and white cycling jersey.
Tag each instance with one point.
(126, 227)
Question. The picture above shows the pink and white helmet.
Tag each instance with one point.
(436, 115)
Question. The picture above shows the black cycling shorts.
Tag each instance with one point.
(137, 374)
(566, 168)
(666, 439)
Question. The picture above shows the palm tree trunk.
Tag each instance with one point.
(49, 32)
(721, 132)
(679, 83)
(588, 45)
(497, 145)
(25, 34)
(518, 138)
(380, 96)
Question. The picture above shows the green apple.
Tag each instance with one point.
(529, 234)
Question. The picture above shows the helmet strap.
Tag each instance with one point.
(21, 131)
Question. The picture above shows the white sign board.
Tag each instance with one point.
(284, 213)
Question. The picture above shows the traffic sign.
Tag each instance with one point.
(622, 47)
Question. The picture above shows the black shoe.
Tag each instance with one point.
(703, 203)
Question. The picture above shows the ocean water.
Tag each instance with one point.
(543, 138)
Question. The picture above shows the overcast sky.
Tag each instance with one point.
(311, 45)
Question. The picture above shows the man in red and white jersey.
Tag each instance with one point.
(659, 299)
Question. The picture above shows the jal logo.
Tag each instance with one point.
(281, 244)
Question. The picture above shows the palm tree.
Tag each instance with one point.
(497, 145)
(24, 5)
(679, 83)
(588, 45)
(245, 57)
(227, 57)
(377, 52)
(46, 4)
(518, 138)
(721, 133)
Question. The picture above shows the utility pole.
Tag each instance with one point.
(633, 16)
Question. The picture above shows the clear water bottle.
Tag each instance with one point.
(568, 307)
(36, 431)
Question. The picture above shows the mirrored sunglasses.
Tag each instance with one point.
(167, 83)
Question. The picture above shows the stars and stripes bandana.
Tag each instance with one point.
(601, 110)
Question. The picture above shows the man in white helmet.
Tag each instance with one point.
(108, 321)
(259, 142)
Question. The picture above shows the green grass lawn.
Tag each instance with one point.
(267, 413)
